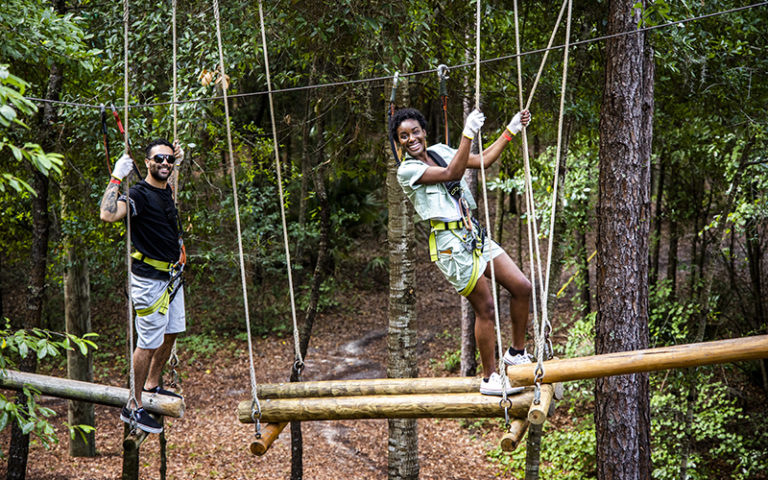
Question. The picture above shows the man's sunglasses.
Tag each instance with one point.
(164, 157)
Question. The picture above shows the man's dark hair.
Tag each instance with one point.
(402, 115)
(156, 142)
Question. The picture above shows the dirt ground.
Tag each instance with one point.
(349, 342)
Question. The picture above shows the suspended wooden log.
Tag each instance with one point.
(90, 392)
(511, 439)
(373, 386)
(537, 413)
(652, 359)
(680, 356)
(269, 434)
(449, 405)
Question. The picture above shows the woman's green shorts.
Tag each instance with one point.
(461, 267)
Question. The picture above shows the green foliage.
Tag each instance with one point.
(31, 417)
(566, 454)
(12, 105)
(718, 448)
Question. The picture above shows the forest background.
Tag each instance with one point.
(708, 247)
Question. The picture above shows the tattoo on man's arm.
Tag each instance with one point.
(109, 200)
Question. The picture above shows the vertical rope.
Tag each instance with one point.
(296, 344)
(541, 288)
(174, 358)
(132, 401)
(225, 86)
(546, 54)
(175, 75)
(546, 326)
(502, 370)
(559, 144)
(528, 207)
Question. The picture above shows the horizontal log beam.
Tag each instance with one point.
(653, 359)
(449, 405)
(679, 356)
(371, 386)
(90, 392)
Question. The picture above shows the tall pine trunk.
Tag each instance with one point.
(77, 317)
(622, 410)
(319, 275)
(402, 447)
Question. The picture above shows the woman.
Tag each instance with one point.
(432, 179)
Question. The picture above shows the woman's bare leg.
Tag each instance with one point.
(481, 300)
(509, 276)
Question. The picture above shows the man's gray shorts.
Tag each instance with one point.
(155, 316)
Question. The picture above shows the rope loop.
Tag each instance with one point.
(298, 366)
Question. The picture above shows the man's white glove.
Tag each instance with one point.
(123, 167)
(520, 120)
(473, 123)
(178, 152)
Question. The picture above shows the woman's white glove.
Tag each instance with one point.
(473, 123)
(123, 167)
(520, 120)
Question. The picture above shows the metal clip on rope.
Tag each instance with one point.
(256, 416)
(505, 403)
(548, 350)
(538, 376)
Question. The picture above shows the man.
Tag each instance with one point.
(156, 288)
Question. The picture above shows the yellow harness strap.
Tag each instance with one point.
(157, 264)
(437, 226)
(161, 305)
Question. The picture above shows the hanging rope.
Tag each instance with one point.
(132, 402)
(546, 327)
(505, 403)
(255, 407)
(173, 360)
(539, 276)
(299, 362)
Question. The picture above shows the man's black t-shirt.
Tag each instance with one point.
(154, 228)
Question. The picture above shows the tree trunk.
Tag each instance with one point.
(319, 275)
(18, 450)
(533, 452)
(585, 294)
(306, 165)
(77, 316)
(674, 236)
(622, 411)
(560, 226)
(402, 448)
(658, 221)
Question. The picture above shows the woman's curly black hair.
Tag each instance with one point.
(402, 115)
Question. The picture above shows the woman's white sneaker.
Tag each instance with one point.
(511, 358)
(493, 386)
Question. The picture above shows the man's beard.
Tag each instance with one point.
(155, 172)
